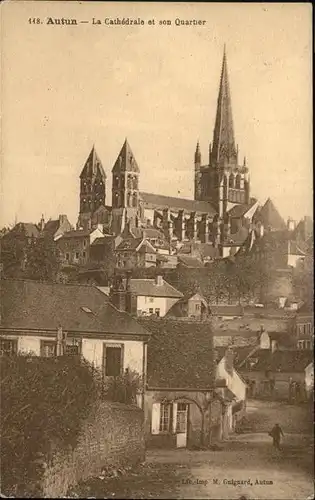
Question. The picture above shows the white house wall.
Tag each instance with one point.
(234, 382)
(163, 303)
(92, 351)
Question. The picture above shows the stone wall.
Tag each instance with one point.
(112, 436)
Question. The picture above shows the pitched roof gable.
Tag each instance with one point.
(269, 216)
(149, 288)
(45, 306)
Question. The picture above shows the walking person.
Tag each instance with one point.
(276, 434)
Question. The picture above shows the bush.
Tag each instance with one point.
(124, 388)
(43, 403)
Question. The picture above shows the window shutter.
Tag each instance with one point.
(174, 422)
(156, 418)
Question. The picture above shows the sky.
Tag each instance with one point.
(67, 87)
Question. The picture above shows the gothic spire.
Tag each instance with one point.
(197, 154)
(223, 149)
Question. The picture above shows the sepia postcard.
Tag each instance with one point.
(156, 250)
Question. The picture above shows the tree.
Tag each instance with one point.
(41, 260)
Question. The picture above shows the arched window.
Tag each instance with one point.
(238, 181)
(242, 183)
(128, 199)
(129, 182)
(134, 199)
(135, 182)
(231, 181)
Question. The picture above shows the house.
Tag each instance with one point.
(181, 407)
(282, 374)
(74, 246)
(193, 306)
(305, 328)
(144, 297)
(54, 229)
(233, 396)
(135, 252)
(32, 314)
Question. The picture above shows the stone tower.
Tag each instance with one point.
(92, 189)
(125, 189)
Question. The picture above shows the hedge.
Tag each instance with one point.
(43, 403)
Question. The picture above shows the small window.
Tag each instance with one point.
(113, 360)
(72, 350)
(8, 347)
(157, 312)
(197, 307)
(77, 255)
(48, 348)
(151, 310)
(84, 243)
(165, 417)
(84, 254)
(67, 256)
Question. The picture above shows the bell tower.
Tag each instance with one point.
(125, 187)
(92, 189)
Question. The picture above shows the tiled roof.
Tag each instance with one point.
(149, 288)
(76, 234)
(269, 216)
(240, 210)
(129, 244)
(180, 354)
(45, 306)
(159, 201)
(191, 262)
(51, 227)
(204, 249)
(304, 229)
(29, 229)
(282, 361)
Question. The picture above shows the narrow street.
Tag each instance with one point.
(247, 465)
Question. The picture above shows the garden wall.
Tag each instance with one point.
(112, 436)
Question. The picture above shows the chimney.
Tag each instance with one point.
(62, 218)
(118, 294)
(159, 280)
(128, 293)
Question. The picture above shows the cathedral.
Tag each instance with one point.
(220, 214)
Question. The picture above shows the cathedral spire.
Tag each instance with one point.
(223, 149)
